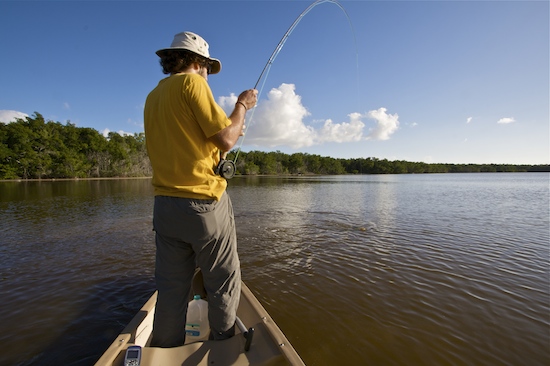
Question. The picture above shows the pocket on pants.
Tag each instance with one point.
(202, 206)
(190, 220)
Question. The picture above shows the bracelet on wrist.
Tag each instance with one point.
(241, 103)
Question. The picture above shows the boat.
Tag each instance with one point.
(258, 341)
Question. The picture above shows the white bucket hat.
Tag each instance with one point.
(194, 43)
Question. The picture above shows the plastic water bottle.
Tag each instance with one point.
(197, 326)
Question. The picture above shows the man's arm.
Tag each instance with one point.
(227, 138)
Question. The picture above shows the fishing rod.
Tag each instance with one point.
(289, 31)
(227, 168)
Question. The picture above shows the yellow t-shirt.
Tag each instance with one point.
(180, 115)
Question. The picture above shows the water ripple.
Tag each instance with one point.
(384, 270)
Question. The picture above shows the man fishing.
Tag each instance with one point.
(186, 131)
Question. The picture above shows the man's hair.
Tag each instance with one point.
(175, 61)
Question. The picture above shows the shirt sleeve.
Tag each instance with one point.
(209, 115)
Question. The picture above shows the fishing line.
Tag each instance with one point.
(265, 72)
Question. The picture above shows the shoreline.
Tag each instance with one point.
(20, 180)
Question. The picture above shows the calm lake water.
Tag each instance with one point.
(443, 269)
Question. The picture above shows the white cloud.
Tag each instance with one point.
(8, 116)
(227, 103)
(279, 120)
(106, 132)
(342, 132)
(506, 120)
(469, 119)
(66, 106)
(386, 124)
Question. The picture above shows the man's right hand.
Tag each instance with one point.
(249, 98)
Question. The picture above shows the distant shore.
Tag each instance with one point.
(20, 180)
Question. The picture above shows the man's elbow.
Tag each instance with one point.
(224, 144)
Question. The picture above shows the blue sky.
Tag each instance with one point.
(433, 81)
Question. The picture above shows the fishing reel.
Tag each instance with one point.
(226, 169)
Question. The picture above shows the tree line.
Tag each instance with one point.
(278, 163)
(32, 148)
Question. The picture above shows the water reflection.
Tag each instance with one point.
(419, 260)
(60, 242)
(285, 217)
(403, 270)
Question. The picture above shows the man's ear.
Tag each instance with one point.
(196, 66)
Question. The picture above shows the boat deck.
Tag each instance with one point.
(269, 346)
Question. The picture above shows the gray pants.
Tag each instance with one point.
(191, 233)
